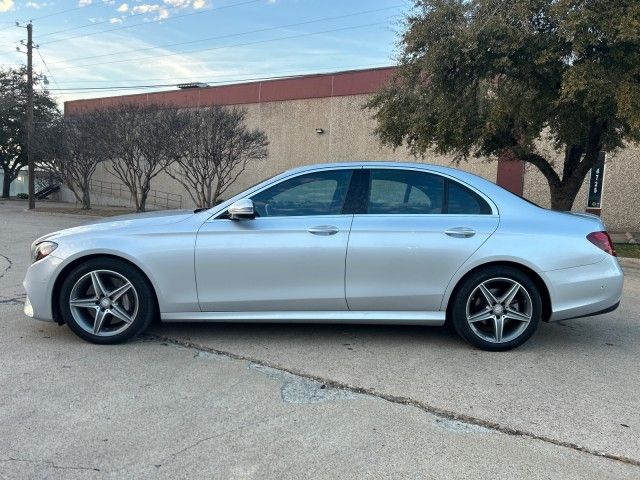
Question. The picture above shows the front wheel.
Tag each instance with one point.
(106, 301)
(497, 308)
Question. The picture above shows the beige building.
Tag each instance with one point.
(319, 119)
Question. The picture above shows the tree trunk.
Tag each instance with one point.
(564, 190)
(563, 195)
(141, 205)
(6, 185)
(86, 199)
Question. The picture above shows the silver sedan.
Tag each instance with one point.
(386, 243)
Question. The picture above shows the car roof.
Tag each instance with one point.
(421, 165)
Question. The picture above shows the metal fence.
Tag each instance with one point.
(156, 198)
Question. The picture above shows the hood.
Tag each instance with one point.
(132, 221)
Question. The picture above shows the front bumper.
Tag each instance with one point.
(38, 283)
(586, 290)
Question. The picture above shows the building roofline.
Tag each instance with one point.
(317, 85)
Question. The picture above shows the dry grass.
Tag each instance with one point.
(96, 212)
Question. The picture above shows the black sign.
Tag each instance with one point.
(595, 183)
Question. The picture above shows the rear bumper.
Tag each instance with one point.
(584, 291)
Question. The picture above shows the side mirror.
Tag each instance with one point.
(242, 209)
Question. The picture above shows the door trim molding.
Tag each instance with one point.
(354, 317)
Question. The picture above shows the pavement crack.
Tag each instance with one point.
(49, 463)
(401, 400)
(224, 433)
(7, 267)
(12, 300)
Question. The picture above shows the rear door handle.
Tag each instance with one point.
(323, 230)
(460, 232)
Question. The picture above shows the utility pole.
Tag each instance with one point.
(30, 167)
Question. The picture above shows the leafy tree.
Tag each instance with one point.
(216, 148)
(499, 77)
(13, 116)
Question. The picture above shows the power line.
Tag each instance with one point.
(101, 22)
(224, 46)
(123, 27)
(60, 12)
(234, 76)
(49, 71)
(249, 32)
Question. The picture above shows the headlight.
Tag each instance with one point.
(41, 250)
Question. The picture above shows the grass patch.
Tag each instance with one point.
(627, 249)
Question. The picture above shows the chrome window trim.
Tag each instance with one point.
(356, 166)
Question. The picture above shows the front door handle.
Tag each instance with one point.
(460, 232)
(323, 230)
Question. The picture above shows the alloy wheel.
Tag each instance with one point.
(499, 310)
(104, 302)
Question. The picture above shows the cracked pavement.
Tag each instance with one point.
(300, 401)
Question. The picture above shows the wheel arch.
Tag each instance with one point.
(55, 292)
(535, 277)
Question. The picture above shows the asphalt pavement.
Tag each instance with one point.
(311, 401)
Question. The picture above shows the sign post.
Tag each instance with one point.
(596, 182)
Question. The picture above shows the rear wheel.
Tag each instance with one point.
(106, 301)
(497, 308)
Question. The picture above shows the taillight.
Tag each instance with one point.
(602, 240)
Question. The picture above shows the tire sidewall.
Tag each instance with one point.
(459, 306)
(146, 299)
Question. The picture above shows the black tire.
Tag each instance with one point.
(145, 296)
(496, 274)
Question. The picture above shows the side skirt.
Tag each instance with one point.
(356, 317)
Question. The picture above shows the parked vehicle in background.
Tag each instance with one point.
(370, 242)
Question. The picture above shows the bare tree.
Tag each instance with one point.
(141, 142)
(217, 145)
(67, 149)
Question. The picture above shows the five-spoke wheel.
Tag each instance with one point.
(497, 308)
(106, 300)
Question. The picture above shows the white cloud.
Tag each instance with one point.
(35, 5)
(123, 8)
(6, 5)
(178, 3)
(84, 3)
(146, 8)
(196, 4)
(161, 70)
(115, 20)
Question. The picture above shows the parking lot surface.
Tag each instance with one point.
(305, 401)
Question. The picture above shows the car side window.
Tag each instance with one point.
(461, 200)
(394, 191)
(316, 193)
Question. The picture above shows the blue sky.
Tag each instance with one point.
(107, 43)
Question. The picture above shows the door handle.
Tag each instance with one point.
(323, 230)
(460, 232)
